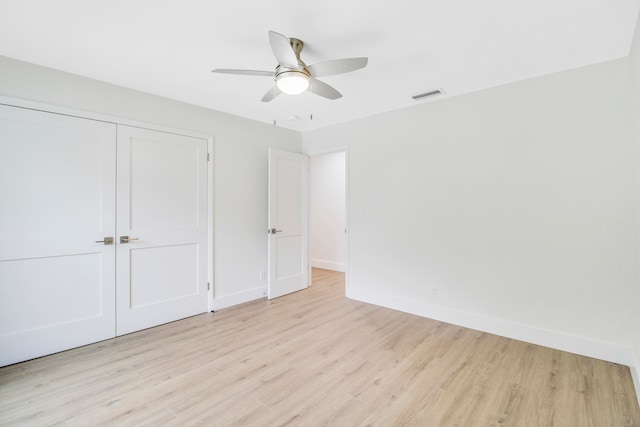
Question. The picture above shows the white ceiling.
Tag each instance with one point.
(169, 47)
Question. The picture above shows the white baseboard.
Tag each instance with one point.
(636, 381)
(328, 265)
(574, 344)
(239, 297)
(635, 374)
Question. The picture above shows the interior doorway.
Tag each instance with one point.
(328, 226)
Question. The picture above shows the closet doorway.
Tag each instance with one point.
(104, 229)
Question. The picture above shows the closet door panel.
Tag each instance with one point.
(162, 208)
(57, 198)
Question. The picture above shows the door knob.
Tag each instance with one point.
(274, 231)
(106, 241)
(127, 239)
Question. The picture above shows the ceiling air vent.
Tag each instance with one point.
(428, 94)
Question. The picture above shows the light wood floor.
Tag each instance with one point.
(316, 358)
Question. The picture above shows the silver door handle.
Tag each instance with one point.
(106, 241)
(274, 231)
(127, 239)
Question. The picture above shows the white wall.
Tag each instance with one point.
(327, 211)
(634, 68)
(240, 155)
(509, 210)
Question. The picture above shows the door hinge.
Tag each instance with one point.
(208, 157)
(208, 286)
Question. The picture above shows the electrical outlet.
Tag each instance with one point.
(263, 275)
(434, 292)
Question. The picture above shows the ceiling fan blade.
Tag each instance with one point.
(271, 93)
(244, 72)
(323, 89)
(337, 66)
(282, 50)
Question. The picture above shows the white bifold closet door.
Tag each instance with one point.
(66, 183)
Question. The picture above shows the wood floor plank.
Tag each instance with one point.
(315, 358)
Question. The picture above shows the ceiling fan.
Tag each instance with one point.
(292, 76)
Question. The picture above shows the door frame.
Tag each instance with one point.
(330, 150)
(56, 109)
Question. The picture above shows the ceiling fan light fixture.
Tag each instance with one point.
(293, 76)
(292, 82)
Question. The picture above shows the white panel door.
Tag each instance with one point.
(288, 231)
(57, 198)
(162, 208)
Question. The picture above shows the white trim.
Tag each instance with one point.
(56, 109)
(210, 224)
(636, 381)
(347, 279)
(328, 265)
(635, 374)
(572, 343)
(329, 150)
(239, 297)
